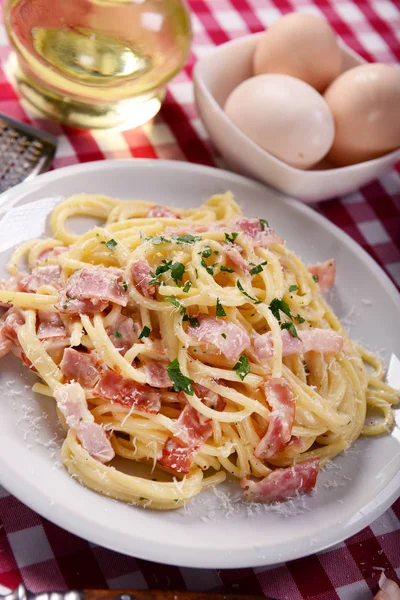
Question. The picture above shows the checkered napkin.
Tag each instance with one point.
(45, 557)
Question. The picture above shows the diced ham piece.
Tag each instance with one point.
(210, 330)
(192, 427)
(326, 273)
(10, 285)
(263, 345)
(321, 340)
(156, 374)
(72, 403)
(209, 398)
(280, 398)
(255, 229)
(159, 211)
(192, 430)
(50, 253)
(176, 457)
(140, 271)
(40, 276)
(236, 258)
(5, 343)
(318, 340)
(282, 484)
(13, 319)
(389, 589)
(121, 390)
(123, 333)
(80, 367)
(98, 284)
(50, 325)
(73, 306)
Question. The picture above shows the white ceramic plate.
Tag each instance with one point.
(356, 488)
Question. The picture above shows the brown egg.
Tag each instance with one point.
(365, 104)
(301, 45)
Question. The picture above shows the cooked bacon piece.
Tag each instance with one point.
(176, 457)
(72, 403)
(280, 398)
(73, 306)
(326, 273)
(192, 427)
(236, 258)
(254, 228)
(50, 325)
(80, 367)
(209, 398)
(158, 211)
(123, 333)
(50, 253)
(282, 484)
(156, 374)
(40, 276)
(140, 272)
(5, 343)
(318, 340)
(98, 284)
(210, 330)
(121, 390)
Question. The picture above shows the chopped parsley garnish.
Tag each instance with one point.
(145, 332)
(291, 328)
(258, 268)
(231, 238)
(220, 312)
(239, 285)
(277, 305)
(65, 306)
(111, 244)
(242, 367)
(264, 224)
(208, 268)
(294, 288)
(177, 271)
(164, 267)
(206, 252)
(187, 286)
(187, 239)
(179, 381)
(176, 303)
(226, 269)
(117, 334)
(300, 319)
(223, 335)
(316, 278)
(125, 286)
(192, 320)
(159, 239)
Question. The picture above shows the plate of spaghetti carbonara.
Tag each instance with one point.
(171, 357)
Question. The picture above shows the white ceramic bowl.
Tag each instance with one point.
(215, 76)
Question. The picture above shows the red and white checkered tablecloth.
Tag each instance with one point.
(45, 557)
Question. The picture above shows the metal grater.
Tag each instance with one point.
(24, 152)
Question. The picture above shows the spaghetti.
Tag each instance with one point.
(193, 342)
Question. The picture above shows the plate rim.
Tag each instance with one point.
(195, 557)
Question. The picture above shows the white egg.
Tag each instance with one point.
(285, 116)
